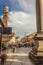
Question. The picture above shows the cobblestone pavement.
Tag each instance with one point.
(19, 57)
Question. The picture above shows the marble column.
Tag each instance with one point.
(41, 11)
(39, 15)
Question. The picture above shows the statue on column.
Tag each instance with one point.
(5, 16)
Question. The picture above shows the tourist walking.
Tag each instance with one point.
(13, 49)
(3, 59)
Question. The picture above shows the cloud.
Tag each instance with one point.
(24, 5)
(19, 5)
(23, 19)
(27, 5)
(22, 23)
(18, 18)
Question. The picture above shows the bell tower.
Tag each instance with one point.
(5, 16)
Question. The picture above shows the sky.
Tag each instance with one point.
(22, 15)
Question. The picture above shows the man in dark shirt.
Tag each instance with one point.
(3, 59)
